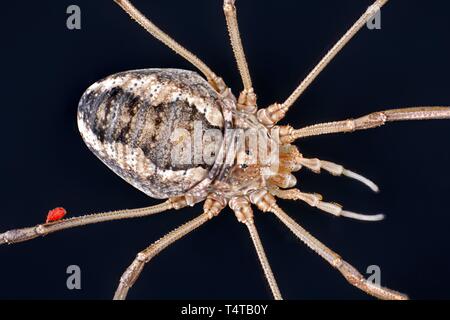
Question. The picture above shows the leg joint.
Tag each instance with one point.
(228, 6)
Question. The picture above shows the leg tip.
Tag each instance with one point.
(363, 217)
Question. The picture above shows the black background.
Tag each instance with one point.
(46, 68)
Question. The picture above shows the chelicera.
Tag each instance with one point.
(175, 135)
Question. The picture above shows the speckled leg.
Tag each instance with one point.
(25, 234)
(244, 214)
(132, 273)
(274, 113)
(134, 13)
(267, 203)
(349, 272)
(247, 98)
(211, 208)
(372, 120)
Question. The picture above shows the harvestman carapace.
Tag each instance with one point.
(125, 119)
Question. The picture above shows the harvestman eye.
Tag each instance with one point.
(127, 120)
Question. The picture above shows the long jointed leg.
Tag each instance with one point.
(349, 272)
(372, 120)
(276, 112)
(134, 270)
(315, 200)
(247, 99)
(212, 207)
(263, 260)
(244, 214)
(171, 43)
(20, 235)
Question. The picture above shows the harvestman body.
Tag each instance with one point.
(127, 120)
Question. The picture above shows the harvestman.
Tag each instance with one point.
(260, 190)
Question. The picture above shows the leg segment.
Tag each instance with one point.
(372, 120)
(349, 272)
(20, 235)
(315, 200)
(276, 112)
(247, 99)
(244, 213)
(263, 260)
(134, 13)
(134, 270)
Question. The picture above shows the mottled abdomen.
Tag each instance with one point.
(127, 120)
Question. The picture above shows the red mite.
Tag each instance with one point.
(55, 214)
